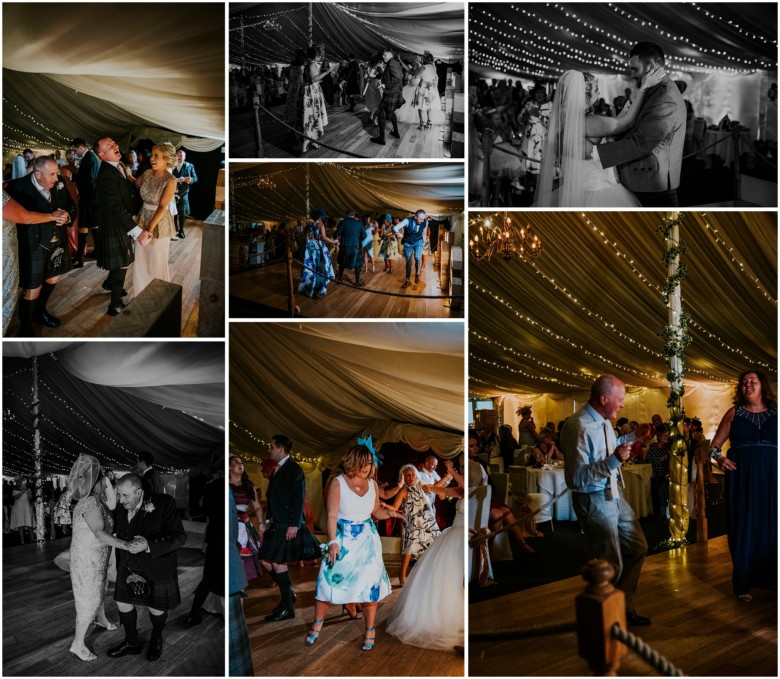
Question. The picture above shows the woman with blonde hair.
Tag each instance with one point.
(158, 188)
(352, 570)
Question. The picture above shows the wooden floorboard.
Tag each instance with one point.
(267, 286)
(38, 619)
(278, 648)
(698, 624)
(345, 131)
(80, 302)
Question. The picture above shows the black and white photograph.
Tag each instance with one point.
(346, 472)
(113, 170)
(113, 509)
(346, 240)
(588, 105)
(359, 80)
(623, 444)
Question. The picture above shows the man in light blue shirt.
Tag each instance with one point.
(592, 465)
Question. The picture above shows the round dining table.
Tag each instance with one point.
(551, 482)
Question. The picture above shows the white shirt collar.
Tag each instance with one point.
(38, 186)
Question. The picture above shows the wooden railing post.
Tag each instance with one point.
(702, 454)
(258, 132)
(487, 149)
(598, 607)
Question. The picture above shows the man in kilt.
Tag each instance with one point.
(43, 248)
(351, 232)
(113, 210)
(392, 96)
(286, 538)
(146, 573)
(415, 229)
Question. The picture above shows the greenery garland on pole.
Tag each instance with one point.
(676, 339)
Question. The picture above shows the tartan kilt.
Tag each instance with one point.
(350, 258)
(32, 263)
(391, 101)
(164, 595)
(114, 248)
(239, 651)
(277, 549)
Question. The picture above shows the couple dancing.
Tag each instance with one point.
(579, 171)
(145, 530)
(429, 612)
(123, 239)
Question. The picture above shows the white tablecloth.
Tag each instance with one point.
(551, 482)
(636, 478)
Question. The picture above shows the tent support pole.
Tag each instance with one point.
(40, 526)
(311, 23)
(487, 149)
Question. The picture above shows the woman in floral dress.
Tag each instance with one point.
(318, 268)
(314, 115)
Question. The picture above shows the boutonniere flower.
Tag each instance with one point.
(148, 507)
(60, 186)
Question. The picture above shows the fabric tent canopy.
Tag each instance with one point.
(327, 383)
(71, 71)
(112, 400)
(274, 31)
(278, 190)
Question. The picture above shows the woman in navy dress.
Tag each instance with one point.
(751, 483)
(318, 268)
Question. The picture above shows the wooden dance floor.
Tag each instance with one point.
(80, 302)
(262, 293)
(346, 131)
(698, 624)
(39, 616)
(278, 648)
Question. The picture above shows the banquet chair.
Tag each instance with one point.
(536, 499)
(478, 517)
(496, 464)
(501, 549)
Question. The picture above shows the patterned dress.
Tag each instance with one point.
(420, 528)
(389, 247)
(88, 559)
(537, 118)
(318, 271)
(151, 260)
(358, 575)
(10, 269)
(313, 112)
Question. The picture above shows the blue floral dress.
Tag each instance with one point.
(359, 574)
(318, 268)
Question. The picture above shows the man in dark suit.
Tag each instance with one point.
(352, 79)
(146, 572)
(113, 210)
(350, 232)
(286, 539)
(185, 178)
(85, 182)
(392, 96)
(43, 248)
(150, 478)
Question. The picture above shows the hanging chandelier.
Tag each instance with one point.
(500, 237)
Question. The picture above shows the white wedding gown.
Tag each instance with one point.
(602, 187)
(429, 612)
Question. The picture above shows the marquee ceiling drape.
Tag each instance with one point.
(539, 40)
(324, 384)
(113, 400)
(86, 70)
(274, 31)
(277, 191)
(592, 303)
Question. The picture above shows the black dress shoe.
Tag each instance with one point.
(378, 140)
(284, 614)
(636, 620)
(48, 320)
(116, 310)
(107, 287)
(182, 235)
(125, 649)
(78, 264)
(193, 620)
(155, 649)
(396, 135)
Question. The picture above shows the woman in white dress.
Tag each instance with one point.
(429, 612)
(373, 90)
(21, 512)
(571, 174)
(353, 570)
(158, 188)
(425, 103)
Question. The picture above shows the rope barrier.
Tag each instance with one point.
(527, 632)
(698, 151)
(376, 292)
(481, 538)
(762, 156)
(647, 653)
(319, 142)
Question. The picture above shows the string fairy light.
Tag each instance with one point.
(517, 371)
(294, 454)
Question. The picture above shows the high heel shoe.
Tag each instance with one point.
(368, 642)
(420, 126)
(357, 615)
(110, 626)
(313, 635)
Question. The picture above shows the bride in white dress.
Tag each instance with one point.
(158, 188)
(429, 612)
(571, 173)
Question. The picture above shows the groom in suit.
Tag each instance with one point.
(146, 572)
(113, 210)
(41, 191)
(649, 156)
